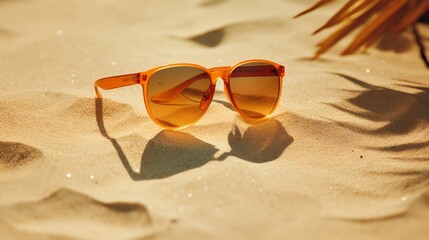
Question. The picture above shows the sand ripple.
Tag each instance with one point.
(76, 215)
(13, 154)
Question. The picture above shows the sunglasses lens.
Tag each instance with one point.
(255, 88)
(178, 96)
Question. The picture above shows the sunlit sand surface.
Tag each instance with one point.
(344, 156)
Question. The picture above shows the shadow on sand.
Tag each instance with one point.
(171, 152)
(401, 112)
(403, 116)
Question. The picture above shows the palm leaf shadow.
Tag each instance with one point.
(401, 112)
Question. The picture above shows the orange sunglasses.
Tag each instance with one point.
(178, 95)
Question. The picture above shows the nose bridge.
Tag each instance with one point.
(219, 72)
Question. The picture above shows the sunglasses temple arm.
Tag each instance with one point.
(116, 82)
(250, 71)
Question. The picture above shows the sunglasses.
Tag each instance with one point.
(177, 95)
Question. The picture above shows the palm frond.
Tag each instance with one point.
(314, 7)
(374, 18)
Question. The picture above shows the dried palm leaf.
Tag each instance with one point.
(374, 18)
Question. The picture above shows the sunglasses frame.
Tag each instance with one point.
(214, 73)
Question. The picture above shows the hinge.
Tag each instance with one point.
(143, 77)
(281, 70)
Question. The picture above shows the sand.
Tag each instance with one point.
(345, 156)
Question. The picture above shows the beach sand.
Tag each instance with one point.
(345, 155)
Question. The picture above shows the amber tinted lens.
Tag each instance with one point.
(178, 95)
(255, 88)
